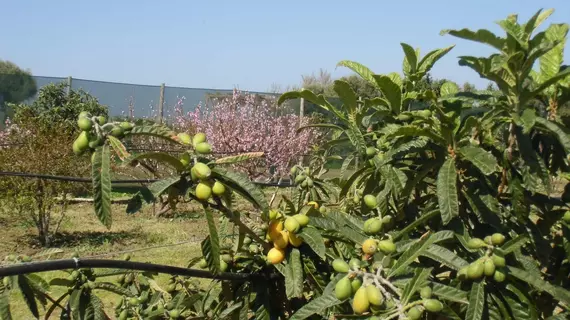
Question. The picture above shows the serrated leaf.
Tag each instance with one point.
(214, 242)
(48, 252)
(528, 119)
(415, 284)
(308, 95)
(119, 148)
(391, 91)
(98, 308)
(483, 160)
(519, 303)
(481, 36)
(420, 220)
(448, 88)
(449, 293)
(5, 313)
(347, 161)
(414, 131)
(539, 284)
(159, 187)
(158, 156)
(514, 244)
(476, 301)
(429, 60)
(411, 58)
(241, 184)
(211, 252)
(294, 275)
(359, 69)
(444, 256)
(557, 130)
(447, 191)
(313, 238)
(320, 304)
(410, 255)
(101, 175)
(28, 295)
(155, 131)
(239, 158)
(346, 94)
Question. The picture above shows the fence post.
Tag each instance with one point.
(161, 104)
(69, 81)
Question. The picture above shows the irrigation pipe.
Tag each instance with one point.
(76, 263)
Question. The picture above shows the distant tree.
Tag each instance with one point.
(469, 87)
(16, 85)
(363, 88)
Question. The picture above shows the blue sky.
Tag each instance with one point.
(245, 44)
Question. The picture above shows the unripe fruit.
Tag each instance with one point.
(117, 132)
(81, 143)
(124, 314)
(223, 266)
(369, 246)
(275, 256)
(323, 209)
(370, 151)
(370, 201)
(309, 182)
(185, 159)
(497, 239)
(203, 191)
(354, 263)
(425, 113)
(475, 270)
(372, 226)
(127, 126)
(305, 184)
(356, 283)
(184, 138)
(425, 292)
(83, 114)
(292, 225)
(84, 124)
(356, 199)
(498, 261)
(302, 219)
(462, 273)
(433, 305)
(203, 264)
(360, 303)
(293, 171)
(198, 138)
(201, 170)
(307, 171)
(174, 314)
(489, 267)
(566, 217)
(246, 240)
(273, 214)
(387, 220)
(101, 120)
(129, 278)
(253, 248)
(414, 313)
(374, 295)
(343, 289)
(134, 301)
(281, 240)
(226, 258)
(340, 265)
(488, 240)
(499, 275)
(403, 117)
(300, 179)
(476, 243)
(95, 142)
(203, 148)
(294, 240)
(387, 246)
(218, 188)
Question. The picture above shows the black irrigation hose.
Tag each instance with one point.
(88, 180)
(32, 267)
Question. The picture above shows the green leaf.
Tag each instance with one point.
(410, 255)
(241, 184)
(320, 125)
(557, 130)
(28, 295)
(483, 160)
(359, 69)
(159, 187)
(431, 58)
(294, 275)
(98, 308)
(308, 95)
(514, 244)
(111, 287)
(551, 61)
(214, 242)
(211, 252)
(347, 161)
(547, 83)
(482, 36)
(448, 88)
(444, 256)
(414, 131)
(418, 221)
(447, 191)
(158, 131)
(356, 137)
(449, 293)
(158, 156)
(318, 279)
(558, 293)
(528, 119)
(476, 301)
(391, 91)
(535, 21)
(100, 172)
(313, 238)
(5, 313)
(415, 284)
(320, 304)
(346, 94)
(119, 148)
(411, 58)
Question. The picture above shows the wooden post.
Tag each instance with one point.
(161, 104)
(69, 81)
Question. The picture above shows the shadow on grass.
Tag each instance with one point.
(95, 238)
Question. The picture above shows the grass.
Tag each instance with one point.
(81, 232)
